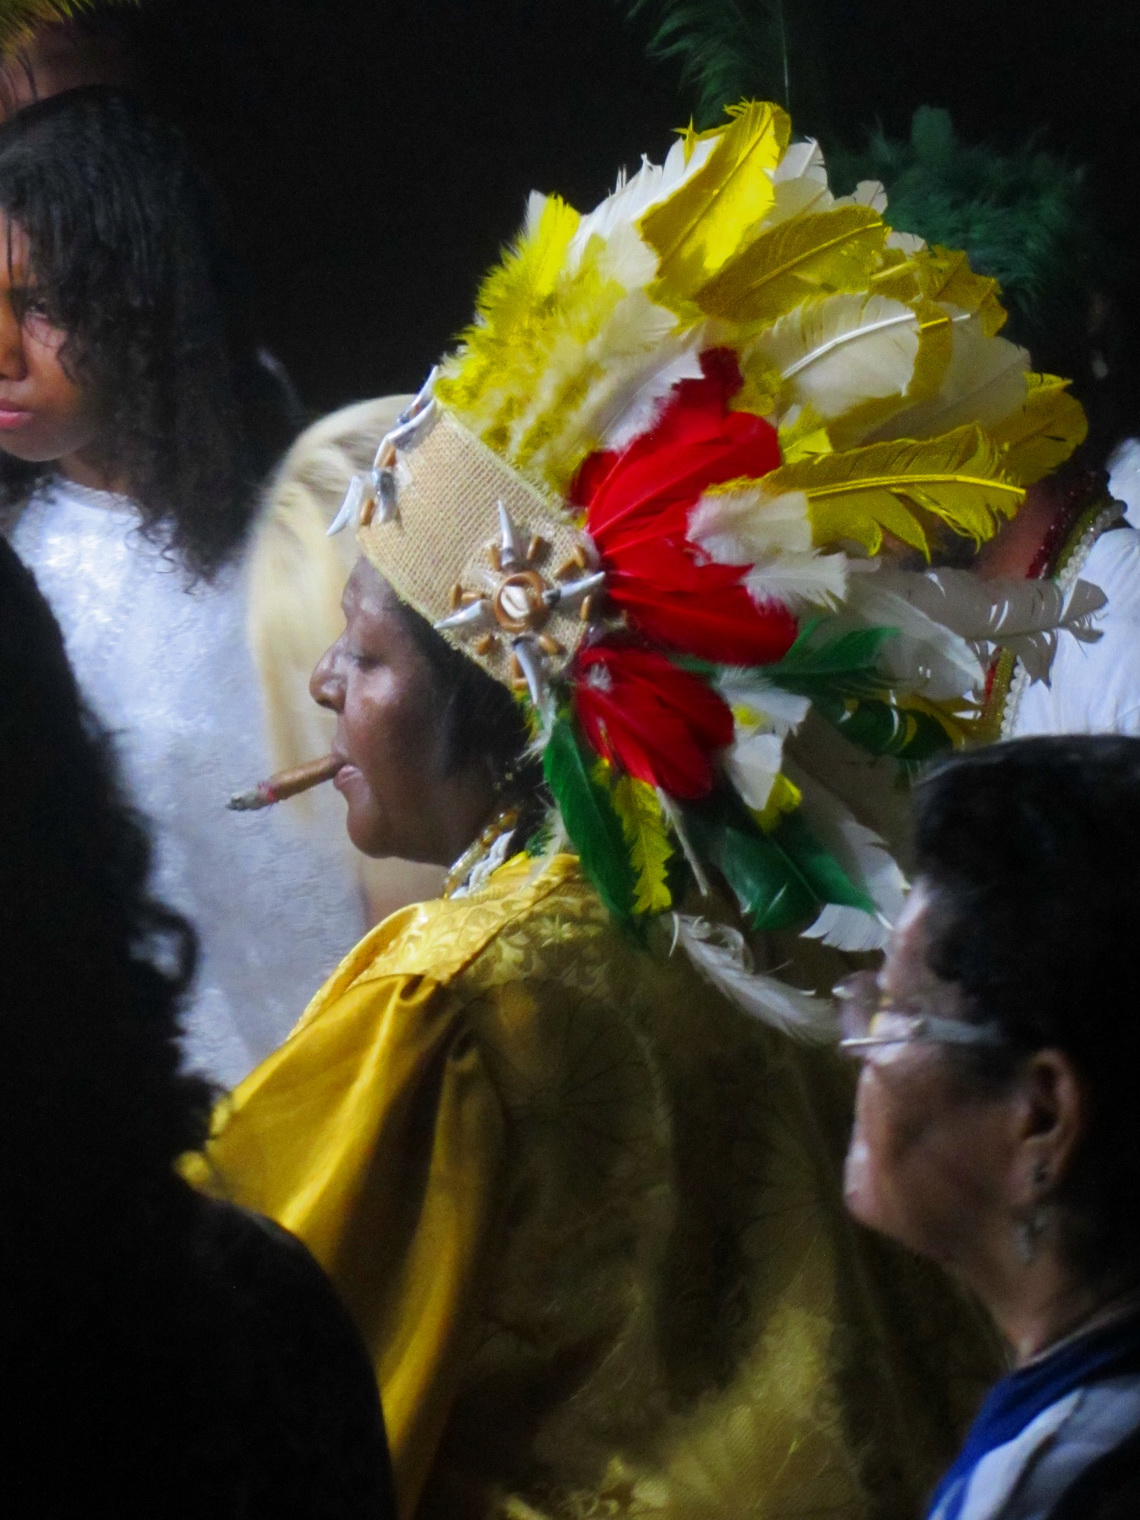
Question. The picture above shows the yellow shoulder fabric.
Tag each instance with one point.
(587, 1217)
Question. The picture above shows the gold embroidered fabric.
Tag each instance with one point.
(588, 1218)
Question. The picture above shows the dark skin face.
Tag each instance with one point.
(404, 798)
(45, 417)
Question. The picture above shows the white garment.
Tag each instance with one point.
(1095, 688)
(1124, 478)
(167, 670)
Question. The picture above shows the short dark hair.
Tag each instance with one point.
(1031, 850)
(482, 719)
(96, 1106)
(126, 250)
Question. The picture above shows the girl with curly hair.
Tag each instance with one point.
(137, 420)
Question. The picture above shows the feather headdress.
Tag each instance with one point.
(673, 485)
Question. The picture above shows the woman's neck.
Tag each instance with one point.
(1014, 549)
(1049, 1304)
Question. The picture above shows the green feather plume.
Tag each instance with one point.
(591, 821)
(845, 666)
(1022, 214)
(780, 880)
(732, 50)
(843, 681)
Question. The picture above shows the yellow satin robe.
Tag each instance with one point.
(588, 1219)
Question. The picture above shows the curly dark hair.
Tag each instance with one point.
(96, 1108)
(1035, 886)
(124, 245)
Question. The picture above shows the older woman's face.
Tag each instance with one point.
(402, 799)
(930, 1158)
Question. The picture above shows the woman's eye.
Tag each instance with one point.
(362, 660)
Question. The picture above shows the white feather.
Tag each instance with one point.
(1024, 616)
(848, 929)
(752, 763)
(637, 410)
(869, 192)
(782, 711)
(905, 242)
(631, 198)
(864, 857)
(741, 526)
(925, 655)
(722, 957)
(798, 580)
(846, 349)
(773, 536)
(798, 197)
(984, 383)
(801, 160)
(677, 824)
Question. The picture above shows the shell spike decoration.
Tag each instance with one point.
(511, 553)
(671, 488)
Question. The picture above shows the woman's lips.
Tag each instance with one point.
(10, 419)
(348, 772)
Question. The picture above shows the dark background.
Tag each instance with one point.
(375, 153)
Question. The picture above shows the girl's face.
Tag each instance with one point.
(403, 798)
(44, 415)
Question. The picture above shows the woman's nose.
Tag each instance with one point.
(326, 684)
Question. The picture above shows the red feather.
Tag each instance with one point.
(642, 713)
(638, 505)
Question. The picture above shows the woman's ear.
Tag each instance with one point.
(1050, 1115)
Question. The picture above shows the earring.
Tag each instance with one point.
(1031, 1229)
(1029, 1233)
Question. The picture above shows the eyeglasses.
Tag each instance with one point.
(865, 1023)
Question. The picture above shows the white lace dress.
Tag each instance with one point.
(167, 669)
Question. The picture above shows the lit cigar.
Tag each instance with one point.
(286, 784)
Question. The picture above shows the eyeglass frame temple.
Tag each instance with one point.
(949, 1032)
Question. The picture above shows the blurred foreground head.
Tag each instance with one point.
(95, 1108)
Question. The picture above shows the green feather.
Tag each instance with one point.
(591, 822)
(733, 50)
(1024, 216)
(843, 666)
(881, 728)
(771, 891)
(818, 867)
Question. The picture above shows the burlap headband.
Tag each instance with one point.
(484, 556)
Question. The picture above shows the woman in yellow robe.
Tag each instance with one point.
(585, 1209)
(585, 1212)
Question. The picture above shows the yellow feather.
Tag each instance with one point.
(808, 256)
(1046, 430)
(860, 493)
(785, 797)
(644, 827)
(984, 383)
(946, 276)
(935, 346)
(838, 353)
(515, 305)
(701, 225)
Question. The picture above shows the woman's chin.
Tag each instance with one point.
(366, 831)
